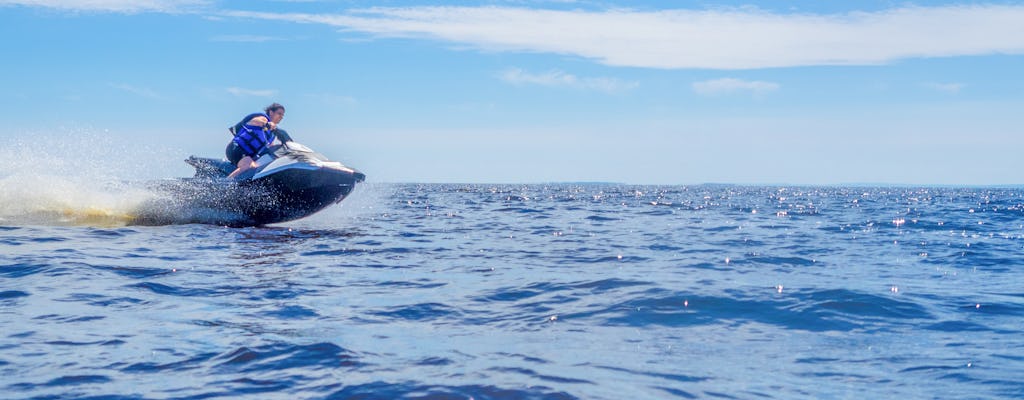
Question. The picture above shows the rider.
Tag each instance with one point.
(252, 135)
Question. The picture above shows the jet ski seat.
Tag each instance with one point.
(210, 167)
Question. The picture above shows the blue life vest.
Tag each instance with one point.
(252, 139)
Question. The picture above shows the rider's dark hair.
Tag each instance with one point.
(273, 107)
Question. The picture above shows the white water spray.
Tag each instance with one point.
(75, 178)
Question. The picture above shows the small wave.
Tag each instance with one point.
(292, 312)
(126, 271)
(20, 270)
(283, 357)
(12, 294)
(418, 312)
(385, 390)
(183, 365)
(170, 290)
(534, 374)
(69, 380)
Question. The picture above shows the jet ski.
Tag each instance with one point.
(291, 182)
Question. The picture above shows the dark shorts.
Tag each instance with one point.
(234, 153)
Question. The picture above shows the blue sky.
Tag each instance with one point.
(668, 92)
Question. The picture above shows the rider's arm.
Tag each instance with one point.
(257, 121)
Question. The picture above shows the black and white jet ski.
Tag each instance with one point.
(291, 182)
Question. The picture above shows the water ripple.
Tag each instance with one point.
(383, 390)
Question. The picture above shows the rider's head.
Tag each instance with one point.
(276, 112)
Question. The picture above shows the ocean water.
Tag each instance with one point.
(562, 291)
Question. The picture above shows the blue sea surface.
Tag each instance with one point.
(562, 291)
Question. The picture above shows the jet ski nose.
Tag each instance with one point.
(359, 176)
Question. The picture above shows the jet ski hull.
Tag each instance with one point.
(266, 196)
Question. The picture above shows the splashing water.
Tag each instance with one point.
(28, 198)
(74, 178)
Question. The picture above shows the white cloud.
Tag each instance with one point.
(716, 39)
(240, 92)
(139, 91)
(122, 6)
(558, 78)
(946, 87)
(244, 38)
(732, 85)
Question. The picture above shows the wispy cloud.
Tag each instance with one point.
(139, 91)
(715, 39)
(732, 85)
(558, 78)
(945, 87)
(739, 38)
(118, 6)
(241, 92)
(244, 38)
